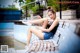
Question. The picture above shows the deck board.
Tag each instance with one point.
(42, 46)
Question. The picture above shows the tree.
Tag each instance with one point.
(56, 5)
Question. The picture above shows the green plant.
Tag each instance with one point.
(35, 9)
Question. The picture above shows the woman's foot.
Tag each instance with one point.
(26, 47)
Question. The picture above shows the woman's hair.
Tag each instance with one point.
(50, 9)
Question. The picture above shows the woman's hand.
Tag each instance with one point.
(38, 27)
(42, 29)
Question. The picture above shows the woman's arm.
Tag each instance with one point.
(56, 21)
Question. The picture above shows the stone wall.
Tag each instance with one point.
(68, 14)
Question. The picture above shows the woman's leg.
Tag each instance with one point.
(37, 32)
(38, 21)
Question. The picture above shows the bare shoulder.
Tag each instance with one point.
(57, 19)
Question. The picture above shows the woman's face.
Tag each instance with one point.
(51, 15)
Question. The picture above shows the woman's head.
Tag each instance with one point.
(51, 13)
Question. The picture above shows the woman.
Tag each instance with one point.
(47, 30)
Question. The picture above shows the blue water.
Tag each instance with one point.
(6, 25)
(6, 29)
(18, 31)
